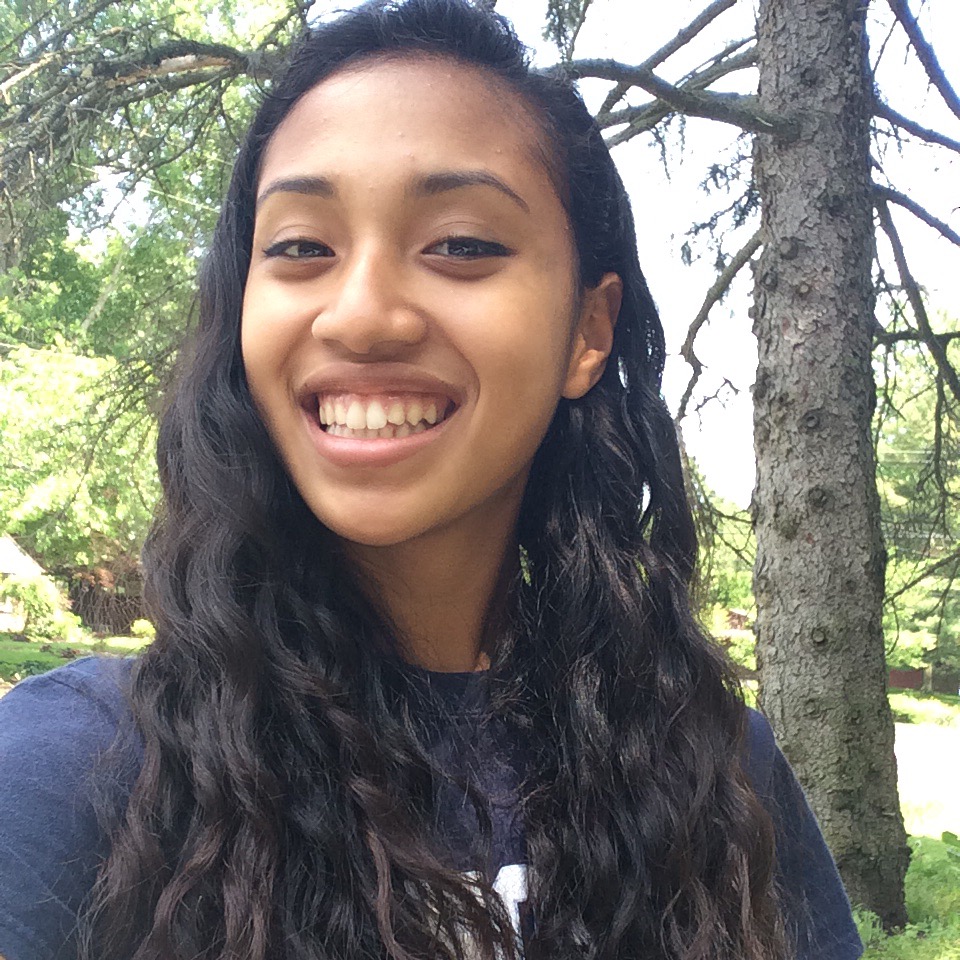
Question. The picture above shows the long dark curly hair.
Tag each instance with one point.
(286, 797)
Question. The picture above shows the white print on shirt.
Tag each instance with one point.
(511, 885)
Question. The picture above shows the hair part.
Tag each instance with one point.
(285, 801)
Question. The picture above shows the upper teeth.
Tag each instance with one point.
(359, 413)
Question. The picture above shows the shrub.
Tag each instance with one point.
(933, 905)
(933, 881)
(143, 629)
(45, 614)
(30, 668)
(910, 649)
(869, 927)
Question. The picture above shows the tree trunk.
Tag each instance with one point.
(820, 556)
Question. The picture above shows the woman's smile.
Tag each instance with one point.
(356, 429)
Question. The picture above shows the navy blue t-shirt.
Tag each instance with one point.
(54, 729)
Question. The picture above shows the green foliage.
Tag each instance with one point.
(45, 614)
(727, 550)
(933, 881)
(51, 290)
(741, 646)
(918, 473)
(910, 706)
(933, 906)
(111, 191)
(143, 629)
(77, 478)
(564, 20)
(910, 649)
(32, 668)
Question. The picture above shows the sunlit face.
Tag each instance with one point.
(410, 319)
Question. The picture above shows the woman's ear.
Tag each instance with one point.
(593, 335)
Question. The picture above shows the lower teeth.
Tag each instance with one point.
(389, 432)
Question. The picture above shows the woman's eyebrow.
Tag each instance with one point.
(313, 186)
(434, 183)
(428, 185)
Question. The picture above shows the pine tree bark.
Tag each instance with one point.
(820, 557)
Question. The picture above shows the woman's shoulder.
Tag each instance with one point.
(58, 730)
(56, 727)
(761, 752)
(818, 910)
(89, 694)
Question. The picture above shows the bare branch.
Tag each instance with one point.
(926, 55)
(647, 116)
(945, 561)
(912, 289)
(911, 126)
(737, 109)
(884, 339)
(714, 295)
(682, 38)
(181, 56)
(921, 213)
(699, 80)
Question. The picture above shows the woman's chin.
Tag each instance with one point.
(373, 531)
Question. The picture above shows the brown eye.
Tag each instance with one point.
(468, 248)
(298, 250)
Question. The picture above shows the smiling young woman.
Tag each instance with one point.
(426, 684)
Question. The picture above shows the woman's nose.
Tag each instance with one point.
(368, 310)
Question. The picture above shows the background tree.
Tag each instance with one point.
(819, 574)
(918, 450)
(152, 93)
(77, 481)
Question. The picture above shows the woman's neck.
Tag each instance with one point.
(442, 590)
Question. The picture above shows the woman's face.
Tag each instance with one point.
(410, 318)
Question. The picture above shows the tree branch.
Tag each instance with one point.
(640, 119)
(911, 126)
(926, 55)
(682, 38)
(884, 339)
(934, 345)
(952, 557)
(54, 39)
(179, 56)
(714, 295)
(921, 213)
(733, 108)
(696, 81)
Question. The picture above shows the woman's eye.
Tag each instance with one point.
(298, 250)
(468, 248)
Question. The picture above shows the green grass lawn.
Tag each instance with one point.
(929, 775)
(20, 658)
(912, 706)
(933, 905)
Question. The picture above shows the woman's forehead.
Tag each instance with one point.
(409, 108)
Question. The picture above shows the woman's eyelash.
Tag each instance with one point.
(470, 248)
(298, 250)
(457, 248)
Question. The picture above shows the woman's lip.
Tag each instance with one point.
(351, 452)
